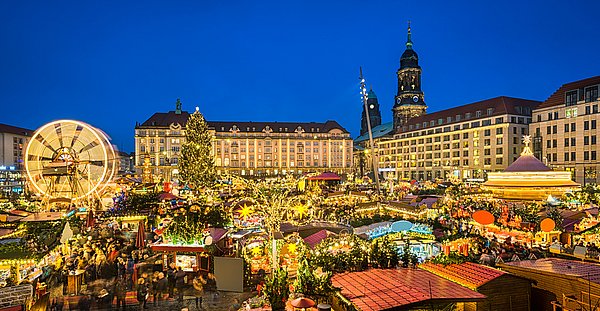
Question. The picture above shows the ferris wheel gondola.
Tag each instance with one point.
(69, 160)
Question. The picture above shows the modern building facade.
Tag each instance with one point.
(466, 141)
(253, 149)
(565, 130)
(13, 141)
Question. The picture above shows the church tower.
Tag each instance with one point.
(374, 113)
(410, 100)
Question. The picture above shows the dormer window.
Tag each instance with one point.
(457, 117)
(571, 98)
(591, 94)
(468, 115)
(478, 114)
(424, 124)
(490, 111)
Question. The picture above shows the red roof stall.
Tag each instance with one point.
(400, 289)
(504, 291)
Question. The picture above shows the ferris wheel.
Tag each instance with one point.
(68, 161)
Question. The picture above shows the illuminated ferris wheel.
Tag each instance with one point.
(68, 160)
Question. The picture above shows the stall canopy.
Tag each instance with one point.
(140, 240)
(43, 216)
(317, 237)
(166, 196)
(325, 176)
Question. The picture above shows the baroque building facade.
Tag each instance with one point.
(565, 130)
(253, 149)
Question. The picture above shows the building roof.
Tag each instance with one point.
(499, 105)
(386, 289)
(527, 163)
(5, 128)
(378, 132)
(574, 268)
(558, 97)
(162, 119)
(468, 274)
(317, 237)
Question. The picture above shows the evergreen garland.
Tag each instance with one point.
(196, 166)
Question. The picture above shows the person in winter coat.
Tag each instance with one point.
(162, 287)
(120, 291)
(180, 283)
(171, 279)
(142, 292)
(198, 289)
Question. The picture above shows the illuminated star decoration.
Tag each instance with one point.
(256, 251)
(291, 248)
(302, 210)
(246, 211)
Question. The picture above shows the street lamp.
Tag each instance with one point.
(363, 91)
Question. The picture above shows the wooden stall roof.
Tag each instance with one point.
(43, 216)
(388, 289)
(582, 270)
(468, 274)
(177, 248)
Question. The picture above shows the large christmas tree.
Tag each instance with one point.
(196, 165)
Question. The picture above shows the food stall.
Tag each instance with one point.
(191, 258)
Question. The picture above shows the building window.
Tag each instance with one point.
(573, 156)
(566, 142)
(587, 110)
(490, 111)
(566, 128)
(554, 129)
(591, 94)
(499, 161)
(573, 140)
(573, 127)
(571, 98)
(566, 156)
(571, 113)
(586, 125)
(586, 140)
(593, 124)
(499, 131)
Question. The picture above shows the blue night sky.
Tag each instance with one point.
(111, 64)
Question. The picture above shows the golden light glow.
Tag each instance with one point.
(246, 211)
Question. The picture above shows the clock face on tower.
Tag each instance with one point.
(372, 106)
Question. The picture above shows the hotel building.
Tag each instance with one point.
(12, 152)
(565, 130)
(254, 149)
(466, 141)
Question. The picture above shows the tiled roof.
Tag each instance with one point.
(162, 119)
(383, 289)
(584, 270)
(468, 274)
(5, 128)
(500, 105)
(378, 131)
(558, 97)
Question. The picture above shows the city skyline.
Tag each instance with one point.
(114, 66)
